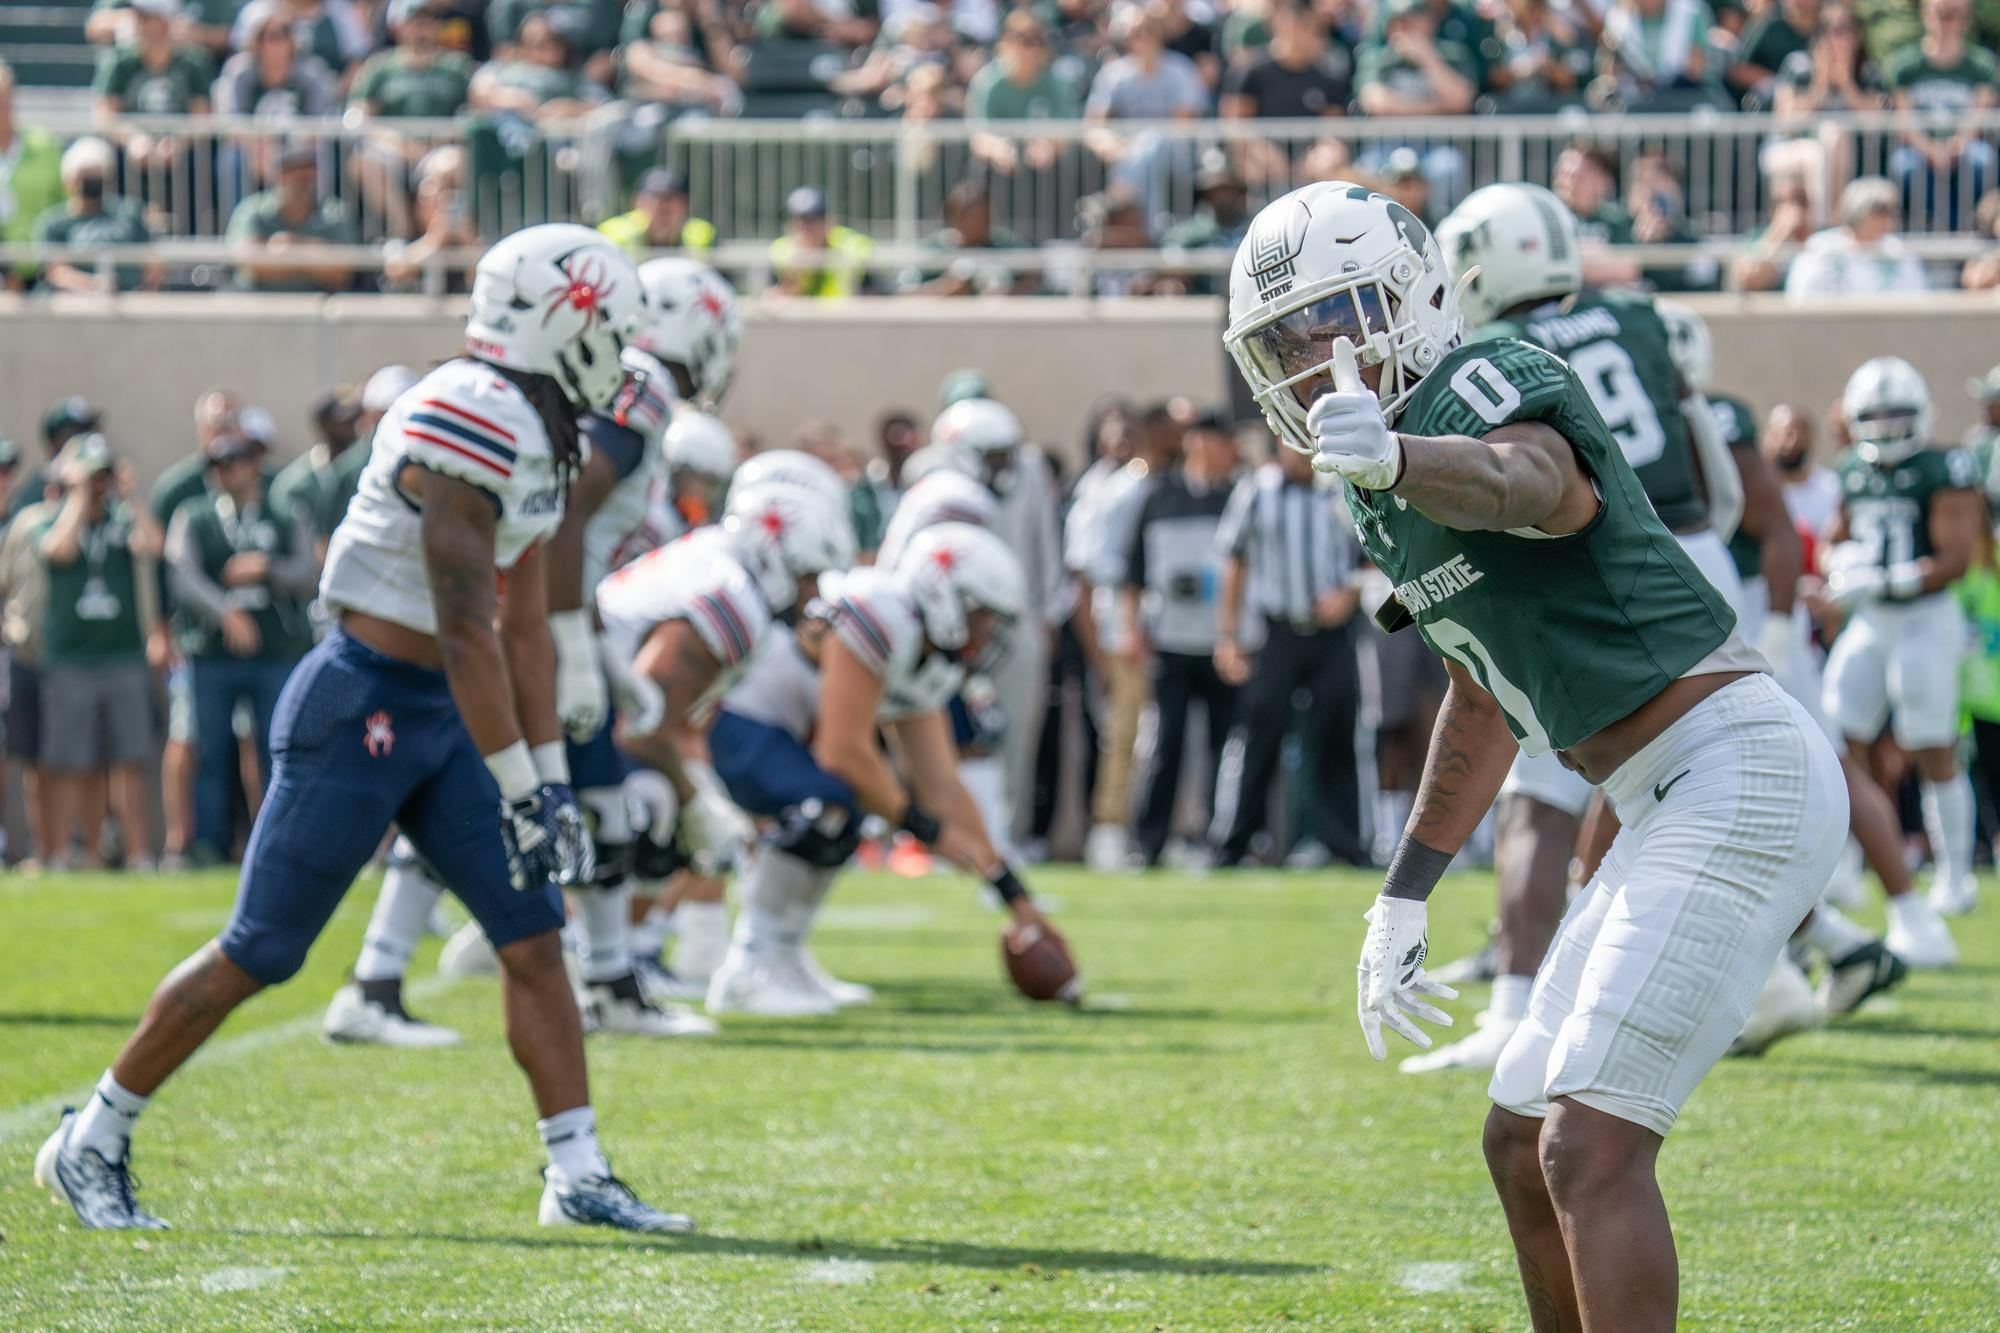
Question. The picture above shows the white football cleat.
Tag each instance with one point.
(846, 994)
(748, 983)
(622, 1011)
(701, 942)
(1107, 847)
(352, 1017)
(1783, 1007)
(468, 953)
(1848, 981)
(604, 1201)
(1954, 899)
(1481, 1050)
(1918, 935)
(664, 986)
(101, 1192)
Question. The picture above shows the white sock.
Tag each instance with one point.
(650, 935)
(1392, 811)
(703, 931)
(1846, 872)
(1911, 911)
(397, 925)
(1510, 997)
(779, 898)
(571, 1140)
(1832, 934)
(606, 919)
(1948, 824)
(985, 779)
(106, 1120)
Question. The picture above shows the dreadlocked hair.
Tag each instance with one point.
(559, 417)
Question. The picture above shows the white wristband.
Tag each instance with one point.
(514, 769)
(552, 763)
(1906, 580)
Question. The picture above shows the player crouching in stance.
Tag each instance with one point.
(430, 707)
(1523, 549)
(798, 741)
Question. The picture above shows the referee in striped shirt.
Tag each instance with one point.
(1289, 561)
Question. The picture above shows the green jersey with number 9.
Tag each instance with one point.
(1617, 344)
(1888, 509)
(1568, 633)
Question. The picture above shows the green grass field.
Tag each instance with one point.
(1206, 1146)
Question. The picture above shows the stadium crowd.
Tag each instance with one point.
(1208, 685)
(509, 68)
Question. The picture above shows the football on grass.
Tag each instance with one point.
(1038, 961)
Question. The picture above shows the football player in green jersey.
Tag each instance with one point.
(1488, 488)
(1908, 526)
(1768, 555)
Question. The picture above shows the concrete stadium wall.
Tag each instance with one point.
(144, 359)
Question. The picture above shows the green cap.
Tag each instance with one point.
(90, 452)
(1985, 389)
(71, 414)
(961, 385)
(10, 453)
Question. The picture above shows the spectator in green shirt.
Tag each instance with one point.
(1412, 71)
(309, 488)
(417, 76)
(241, 572)
(97, 550)
(1018, 84)
(1943, 165)
(30, 176)
(155, 75)
(285, 225)
(540, 81)
(1766, 44)
(90, 217)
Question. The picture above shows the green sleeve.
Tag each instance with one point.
(200, 67)
(243, 224)
(1900, 69)
(979, 93)
(114, 74)
(49, 224)
(1370, 63)
(368, 83)
(637, 20)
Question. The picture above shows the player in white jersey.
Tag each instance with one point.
(798, 741)
(432, 707)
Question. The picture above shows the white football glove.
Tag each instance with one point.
(1349, 435)
(713, 830)
(641, 703)
(581, 699)
(1391, 976)
(1856, 585)
(655, 806)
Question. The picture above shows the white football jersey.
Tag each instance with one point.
(876, 617)
(781, 688)
(612, 535)
(697, 579)
(466, 421)
(943, 496)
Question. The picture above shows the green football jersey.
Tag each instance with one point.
(1616, 343)
(1888, 509)
(1569, 633)
(1737, 425)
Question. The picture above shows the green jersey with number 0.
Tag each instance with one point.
(1569, 633)
(1888, 509)
(1737, 425)
(1617, 344)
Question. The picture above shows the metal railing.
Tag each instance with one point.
(1058, 269)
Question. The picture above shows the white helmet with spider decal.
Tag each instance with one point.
(557, 300)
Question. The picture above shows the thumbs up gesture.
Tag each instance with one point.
(1350, 438)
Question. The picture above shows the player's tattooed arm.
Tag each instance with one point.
(458, 525)
(675, 659)
(1471, 749)
(565, 549)
(530, 649)
(1523, 475)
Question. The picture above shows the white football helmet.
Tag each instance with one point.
(955, 569)
(1689, 341)
(696, 442)
(792, 467)
(1887, 407)
(1506, 244)
(941, 496)
(1335, 260)
(557, 300)
(694, 324)
(785, 534)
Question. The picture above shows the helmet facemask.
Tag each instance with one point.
(1287, 356)
(1887, 433)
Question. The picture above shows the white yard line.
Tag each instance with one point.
(39, 1117)
(1435, 1277)
(221, 1280)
